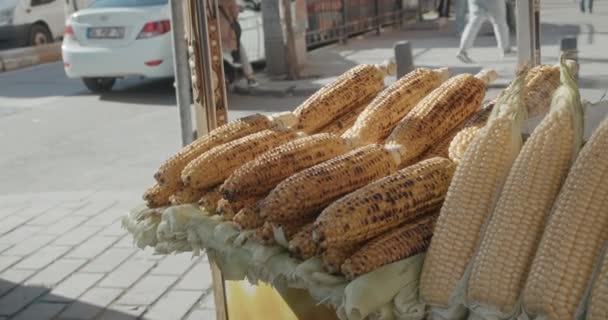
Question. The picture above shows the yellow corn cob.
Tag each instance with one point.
(400, 243)
(248, 219)
(209, 200)
(541, 83)
(170, 171)
(291, 228)
(186, 195)
(217, 164)
(334, 257)
(391, 105)
(330, 102)
(437, 114)
(598, 305)
(264, 234)
(261, 175)
(157, 196)
(228, 209)
(574, 235)
(309, 191)
(514, 229)
(461, 141)
(345, 121)
(385, 204)
(470, 198)
(301, 245)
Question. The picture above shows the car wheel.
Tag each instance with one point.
(99, 85)
(40, 35)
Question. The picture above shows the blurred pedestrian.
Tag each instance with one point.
(444, 11)
(589, 5)
(230, 30)
(479, 12)
(461, 13)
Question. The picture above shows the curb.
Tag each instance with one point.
(25, 57)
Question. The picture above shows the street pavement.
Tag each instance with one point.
(72, 163)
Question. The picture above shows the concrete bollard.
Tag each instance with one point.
(403, 58)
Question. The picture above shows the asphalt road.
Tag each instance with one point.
(56, 136)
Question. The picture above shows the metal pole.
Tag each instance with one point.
(204, 46)
(183, 84)
(536, 26)
(344, 29)
(525, 33)
(377, 18)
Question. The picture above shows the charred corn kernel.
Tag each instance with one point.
(541, 83)
(186, 195)
(437, 114)
(391, 105)
(598, 304)
(209, 200)
(514, 229)
(334, 257)
(217, 164)
(310, 190)
(574, 235)
(248, 219)
(170, 171)
(345, 121)
(463, 138)
(352, 88)
(228, 209)
(470, 198)
(264, 234)
(261, 175)
(158, 196)
(301, 245)
(400, 243)
(385, 204)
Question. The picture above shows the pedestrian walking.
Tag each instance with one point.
(586, 4)
(230, 30)
(479, 11)
(461, 12)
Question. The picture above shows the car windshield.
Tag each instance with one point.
(127, 3)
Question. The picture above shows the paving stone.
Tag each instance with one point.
(95, 206)
(202, 314)
(147, 254)
(57, 271)
(64, 225)
(12, 278)
(8, 210)
(198, 278)
(18, 298)
(128, 273)
(77, 236)
(42, 257)
(115, 229)
(20, 234)
(29, 245)
(11, 222)
(4, 246)
(92, 247)
(92, 303)
(106, 218)
(208, 301)
(49, 217)
(123, 312)
(174, 264)
(147, 290)
(73, 287)
(125, 242)
(40, 311)
(174, 305)
(108, 260)
(7, 261)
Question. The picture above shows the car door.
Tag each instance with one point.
(49, 11)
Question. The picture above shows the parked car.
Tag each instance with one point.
(31, 22)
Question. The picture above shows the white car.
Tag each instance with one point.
(118, 38)
(31, 22)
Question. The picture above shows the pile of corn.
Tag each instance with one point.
(362, 176)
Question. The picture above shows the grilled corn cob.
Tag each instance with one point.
(301, 245)
(157, 196)
(248, 219)
(264, 234)
(352, 88)
(461, 141)
(266, 171)
(228, 209)
(334, 257)
(285, 231)
(209, 200)
(507, 248)
(391, 105)
(471, 196)
(345, 121)
(437, 114)
(215, 165)
(170, 171)
(598, 304)
(400, 243)
(186, 195)
(309, 191)
(541, 83)
(574, 235)
(385, 204)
